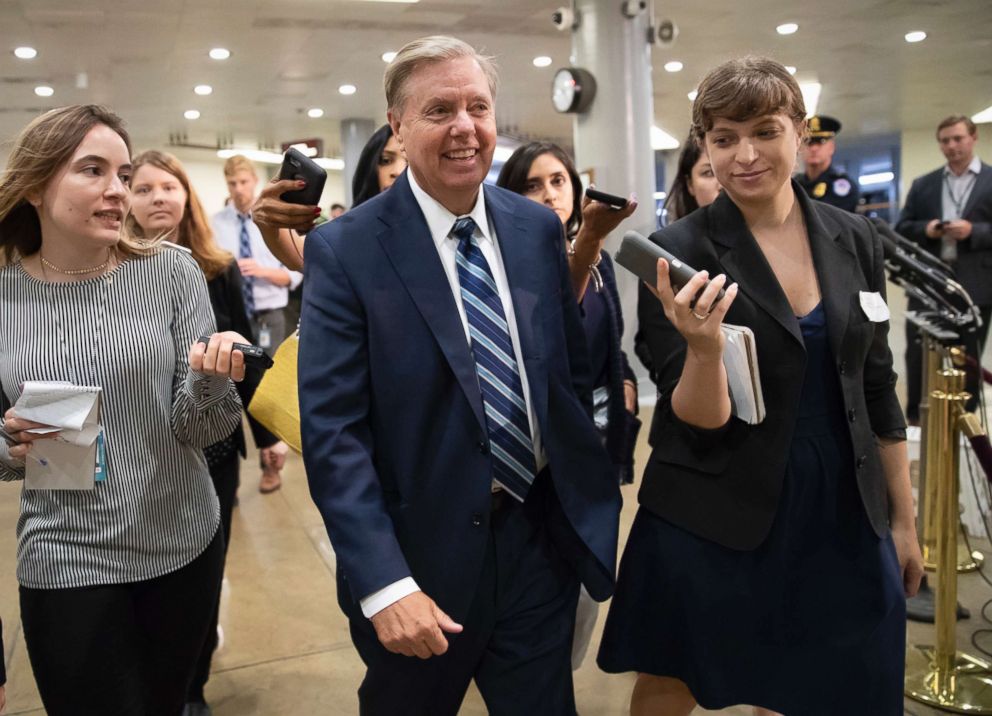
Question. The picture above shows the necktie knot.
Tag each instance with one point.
(463, 229)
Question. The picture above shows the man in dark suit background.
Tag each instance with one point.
(445, 405)
(949, 213)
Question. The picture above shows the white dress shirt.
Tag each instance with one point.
(961, 186)
(227, 232)
(440, 221)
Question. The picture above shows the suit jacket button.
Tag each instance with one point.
(851, 415)
(842, 367)
(861, 461)
(476, 520)
(483, 447)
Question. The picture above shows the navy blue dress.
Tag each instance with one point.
(810, 623)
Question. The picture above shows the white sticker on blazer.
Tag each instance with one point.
(874, 306)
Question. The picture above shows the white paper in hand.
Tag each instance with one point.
(67, 462)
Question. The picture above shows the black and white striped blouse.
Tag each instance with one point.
(128, 332)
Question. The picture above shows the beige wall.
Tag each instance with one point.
(919, 155)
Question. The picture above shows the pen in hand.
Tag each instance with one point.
(9, 439)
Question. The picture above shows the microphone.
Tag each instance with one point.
(908, 247)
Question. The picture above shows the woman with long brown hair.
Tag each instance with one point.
(118, 579)
(164, 204)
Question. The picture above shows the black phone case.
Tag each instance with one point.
(295, 165)
(640, 255)
(617, 202)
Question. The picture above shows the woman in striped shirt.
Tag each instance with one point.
(118, 581)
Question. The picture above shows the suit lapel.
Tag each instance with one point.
(983, 186)
(411, 250)
(744, 263)
(834, 259)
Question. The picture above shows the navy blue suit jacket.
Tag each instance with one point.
(394, 433)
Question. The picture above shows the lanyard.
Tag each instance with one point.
(958, 201)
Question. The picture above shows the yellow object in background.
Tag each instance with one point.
(276, 403)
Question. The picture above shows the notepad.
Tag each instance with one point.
(740, 359)
(68, 462)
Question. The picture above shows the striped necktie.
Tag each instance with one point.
(510, 440)
(244, 252)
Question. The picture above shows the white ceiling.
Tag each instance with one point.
(143, 59)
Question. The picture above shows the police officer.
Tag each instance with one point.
(821, 181)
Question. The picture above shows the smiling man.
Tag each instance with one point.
(445, 403)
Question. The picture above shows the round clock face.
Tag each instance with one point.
(563, 90)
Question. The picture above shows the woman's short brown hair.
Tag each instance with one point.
(193, 230)
(743, 89)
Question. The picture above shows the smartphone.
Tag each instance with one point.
(255, 357)
(617, 202)
(297, 166)
(640, 255)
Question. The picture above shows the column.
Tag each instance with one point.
(354, 134)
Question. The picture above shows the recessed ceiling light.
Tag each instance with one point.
(388, 56)
(693, 95)
(542, 61)
(660, 139)
(347, 89)
(203, 89)
(790, 69)
(44, 91)
(787, 28)
(220, 53)
(25, 53)
(982, 117)
(192, 114)
(315, 113)
(673, 66)
(916, 36)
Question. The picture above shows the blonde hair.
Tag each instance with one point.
(743, 89)
(40, 151)
(430, 50)
(237, 163)
(193, 230)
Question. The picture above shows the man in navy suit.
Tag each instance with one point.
(445, 404)
(949, 212)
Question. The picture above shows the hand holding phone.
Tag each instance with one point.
(640, 255)
(298, 167)
(616, 202)
(255, 357)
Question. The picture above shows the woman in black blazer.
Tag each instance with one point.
(768, 564)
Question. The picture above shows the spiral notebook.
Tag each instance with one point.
(740, 359)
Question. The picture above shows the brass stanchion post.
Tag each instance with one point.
(940, 675)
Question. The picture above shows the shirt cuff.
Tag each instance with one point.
(206, 390)
(390, 594)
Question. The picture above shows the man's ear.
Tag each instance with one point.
(393, 118)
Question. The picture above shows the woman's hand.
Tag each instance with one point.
(630, 396)
(218, 357)
(17, 428)
(599, 219)
(697, 320)
(271, 213)
(909, 555)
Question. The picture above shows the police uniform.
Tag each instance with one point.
(832, 186)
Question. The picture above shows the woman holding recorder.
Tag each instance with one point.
(118, 581)
(768, 564)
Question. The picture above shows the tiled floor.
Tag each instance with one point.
(287, 650)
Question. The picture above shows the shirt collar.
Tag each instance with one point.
(975, 167)
(440, 221)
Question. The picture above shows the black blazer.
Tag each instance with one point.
(724, 485)
(229, 311)
(924, 204)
